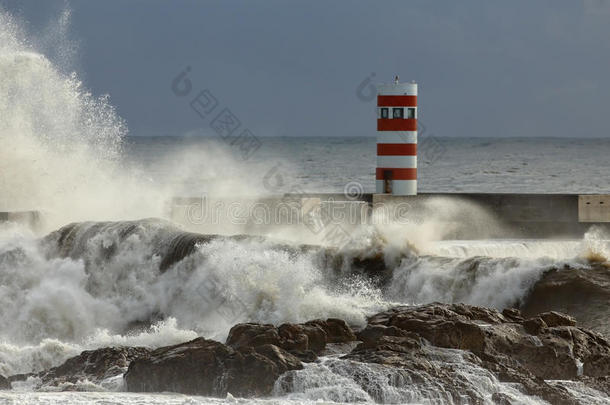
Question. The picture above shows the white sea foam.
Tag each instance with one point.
(63, 154)
(53, 307)
(63, 147)
(339, 380)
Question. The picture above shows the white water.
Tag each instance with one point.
(338, 380)
(103, 398)
(53, 308)
(62, 152)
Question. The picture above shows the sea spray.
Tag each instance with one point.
(94, 284)
(345, 381)
(63, 147)
(497, 283)
(106, 284)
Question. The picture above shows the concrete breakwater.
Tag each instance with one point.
(514, 215)
(520, 215)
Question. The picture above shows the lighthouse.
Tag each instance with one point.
(396, 138)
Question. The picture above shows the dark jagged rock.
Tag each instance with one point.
(583, 292)
(551, 354)
(337, 330)
(312, 336)
(254, 356)
(419, 364)
(416, 345)
(5, 384)
(306, 356)
(422, 360)
(601, 384)
(552, 319)
(91, 365)
(372, 333)
(512, 314)
(302, 337)
(20, 377)
(527, 351)
(205, 367)
(191, 368)
(534, 326)
(253, 334)
(501, 399)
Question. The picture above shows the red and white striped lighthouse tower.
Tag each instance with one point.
(396, 138)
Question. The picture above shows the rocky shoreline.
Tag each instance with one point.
(414, 344)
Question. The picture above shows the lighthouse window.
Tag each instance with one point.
(398, 112)
(411, 113)
(384, 113)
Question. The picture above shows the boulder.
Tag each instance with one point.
(512, 314)
(253, 334)
(93, 365)
(525, 351)
(553, 319)
(371, 333)
(534, 326)
(426, 366)
(337, 330)
(312, 336)
(206, 367)
(302, 337)
(580, 291)
(431, 350)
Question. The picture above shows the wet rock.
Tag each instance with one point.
(419, 366)
(428, 347)
(254, 334)
(21, 377)
(195, 367)
(371, 333)
(5, 384)
(527, 352)
(337, 330)
(206, 367)
(502, 399)
(302, 337)
(92, 366)
(298, 338)
(282, 359)
(534, 326)
(306, 356)
(402, 344)
(552, 319)
(581, 291)
(531, 384)
(601, 384)
(551, 354)
(512, 314)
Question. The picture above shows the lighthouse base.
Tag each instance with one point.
(396, 187)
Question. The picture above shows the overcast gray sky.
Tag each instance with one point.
(292, 68)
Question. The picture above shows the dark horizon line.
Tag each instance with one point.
(374, 136)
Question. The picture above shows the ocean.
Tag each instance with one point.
(97, 282)
(328, 164)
